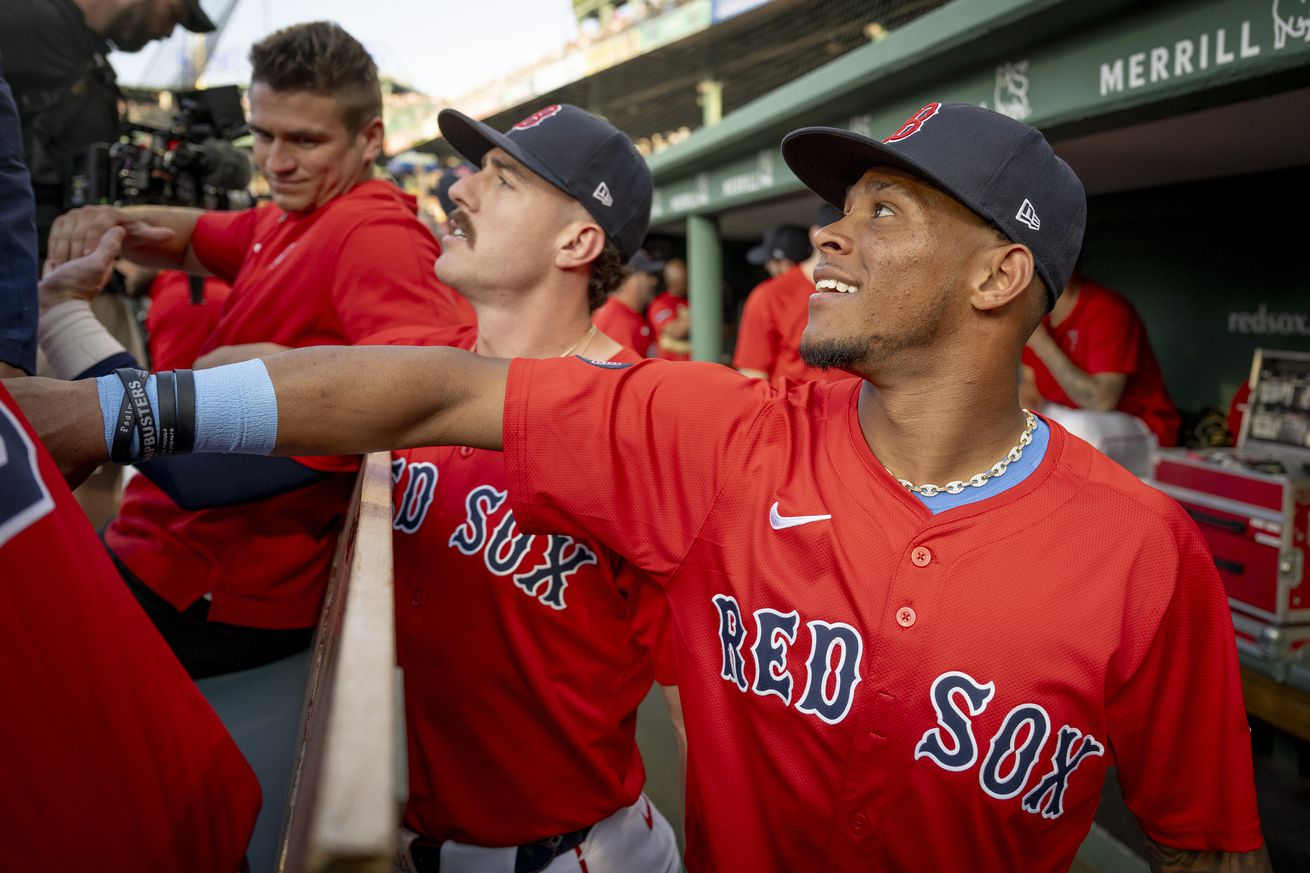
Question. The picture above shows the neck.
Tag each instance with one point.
(942, 428)
(534, 324)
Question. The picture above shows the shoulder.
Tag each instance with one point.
(1123, 504)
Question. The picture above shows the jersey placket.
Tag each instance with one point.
(898, 625)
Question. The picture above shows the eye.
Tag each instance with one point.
(262, 135)
(503, 182)
(882, 210)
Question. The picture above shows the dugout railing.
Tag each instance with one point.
(348, 783)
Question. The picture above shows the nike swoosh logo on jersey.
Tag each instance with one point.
(782, 522)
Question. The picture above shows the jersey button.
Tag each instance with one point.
(920, 556)
(859, 824)
(906, 616)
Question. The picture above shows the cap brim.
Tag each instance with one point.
(194, 18)
(473, 139)
(759, 256)
(830, 160)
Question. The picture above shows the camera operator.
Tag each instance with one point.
(55, 57)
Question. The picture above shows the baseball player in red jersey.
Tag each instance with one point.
(1092, 352)
(521, 713)
(112, 760)
(338, 257)
(915, 623)
(670, 319)
(777, 310)
(623, 316)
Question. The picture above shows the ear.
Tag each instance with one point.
(1001, 276)
(580, 243)
(371, 135)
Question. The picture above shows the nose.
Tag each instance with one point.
(831, 240)
(462, 192)
(280, 160)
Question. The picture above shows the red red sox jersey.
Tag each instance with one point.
(525, 657)
(867, 686)
(627, 327)
(769, 336)
(354, 271)
(176, 326)
(111, 758)
(1103, 334)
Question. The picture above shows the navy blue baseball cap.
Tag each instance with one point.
(1001, 169)
(784, 242)
(584, 156)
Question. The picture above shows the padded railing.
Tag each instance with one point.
(347, 786)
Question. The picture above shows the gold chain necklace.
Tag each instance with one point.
(978, 479)
(582, 343)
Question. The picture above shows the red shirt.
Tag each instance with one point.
(661, 309)
(176, 327)
(627, 327)
(111, 758)
(1103, 334)
(857, 673)
(769, 336)
(353, 271)
(525, 658)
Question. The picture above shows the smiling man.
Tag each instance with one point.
(337, 258)
(916, 624)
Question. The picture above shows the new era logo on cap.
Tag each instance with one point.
(1028, 215)
(602, 193)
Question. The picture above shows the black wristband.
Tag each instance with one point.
(120, 450)
(165, 388)
(134, 386)
(185, 435)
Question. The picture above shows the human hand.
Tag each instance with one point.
(235, 354)
(82, 278)
(77, 233)
(66, 418)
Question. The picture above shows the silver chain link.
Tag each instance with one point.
(977, 480)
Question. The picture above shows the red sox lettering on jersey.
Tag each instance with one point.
(489, 530)
(832, 675)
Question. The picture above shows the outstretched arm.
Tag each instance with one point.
(324, 401)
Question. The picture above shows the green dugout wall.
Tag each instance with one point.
(1189, 122)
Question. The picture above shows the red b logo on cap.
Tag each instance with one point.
(914, 122)
(537, 117)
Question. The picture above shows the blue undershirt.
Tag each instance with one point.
(1014, 474)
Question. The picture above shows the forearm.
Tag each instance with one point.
(175, 253)
(1099, 392)
(1165, 859)
(319, 401)
(344, 400)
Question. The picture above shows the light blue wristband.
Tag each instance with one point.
(236, 409)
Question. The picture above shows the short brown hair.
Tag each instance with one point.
(321, 58)
(607, 273)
